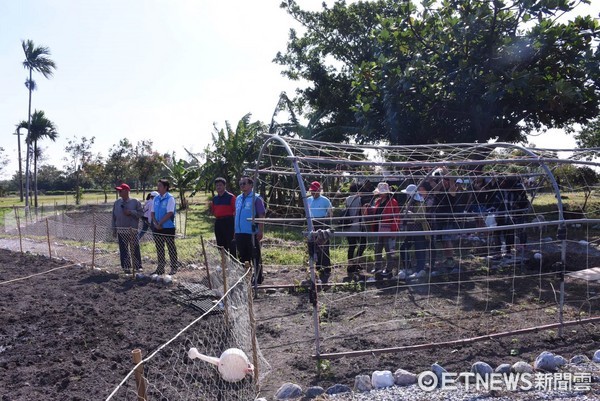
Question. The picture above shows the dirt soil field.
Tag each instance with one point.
(68, 334)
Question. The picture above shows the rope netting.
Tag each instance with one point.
(464, 232)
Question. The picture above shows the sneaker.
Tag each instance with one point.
(401, 275)
(139, 269)
(158, 272)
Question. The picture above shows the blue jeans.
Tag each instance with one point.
(420, 244)
(145, 228)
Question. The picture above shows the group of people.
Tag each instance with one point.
(157, 214)
(235, 230)
(438, 202)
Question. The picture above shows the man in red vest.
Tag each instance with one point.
(223, 208)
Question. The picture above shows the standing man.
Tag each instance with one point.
(320, 208)
(248, 235)
(163, 217)
(125, 220)
(223, 208)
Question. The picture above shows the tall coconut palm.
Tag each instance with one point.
(39, 128)
(36, 58)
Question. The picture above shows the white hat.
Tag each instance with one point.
(154, 194)
(459, 181)
(411, 190)
(382, 188)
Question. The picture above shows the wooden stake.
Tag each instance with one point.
(130, 242)
(252, 325)
(224, 271)
(94, 248)
(48, 236)
(19, 229)
(140, 381)
(206, 263)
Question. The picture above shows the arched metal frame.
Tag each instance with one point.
(541, 161)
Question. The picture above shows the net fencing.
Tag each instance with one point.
(433, 236)
(208, 280)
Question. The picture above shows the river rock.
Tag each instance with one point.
(338, 389)
(382, 379)
(548, 361)
(521, 367)
(482, 369)
(438, 370)
(596, 357)
(362, 384)
(404, 378)
(314, 392)
(288, 391)
(503, 368)
(577, 359)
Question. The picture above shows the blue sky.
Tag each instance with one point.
(148, 69)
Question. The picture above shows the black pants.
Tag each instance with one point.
(165, 235)
(352, 243)
(249, 252)
(224, 229)
(129, 246)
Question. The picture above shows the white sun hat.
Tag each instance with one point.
(382, 188)
(411, 190)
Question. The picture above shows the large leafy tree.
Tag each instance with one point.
(40, 128)
(448, 71)
(182, 177)
(589, 137)
(232, 151)
(119, 162)
(146, 164)
(36, 59)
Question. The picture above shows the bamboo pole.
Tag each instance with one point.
(463, 341)
(252, 325)
(206, 263)
(130, 241)
(140, 381)
(94, 248)
(19, 229)
(48, 237)
(224, 271)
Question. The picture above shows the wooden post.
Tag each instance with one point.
(19, 229)
(94, 248)
(185, 225)
(252, 324)
(206, 263)
(140, 381)
(224, 271)
(48, 236)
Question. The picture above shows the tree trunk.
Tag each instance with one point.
(28, 144)
(35, 175)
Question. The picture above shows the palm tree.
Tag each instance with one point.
(35, 59)
(39, 128)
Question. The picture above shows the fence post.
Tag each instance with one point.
(224, 271)
(131, 241)
(48, 236)
(206, 263)
(252, 324)
(19, 229)
(94, 248)
(140, 381)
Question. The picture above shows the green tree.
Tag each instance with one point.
(449, 71)
(36, 59)
(119, 162)
(79, 156)
(589, 137)
(39, 128)
(146, 164)
(182, 177)
(231, 153)
(96, 170)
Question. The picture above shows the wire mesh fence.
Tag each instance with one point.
(209, 280)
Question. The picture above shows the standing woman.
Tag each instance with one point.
(147, 217)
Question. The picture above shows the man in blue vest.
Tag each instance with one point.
(247, 234)
(163, 217)
(320, 209)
